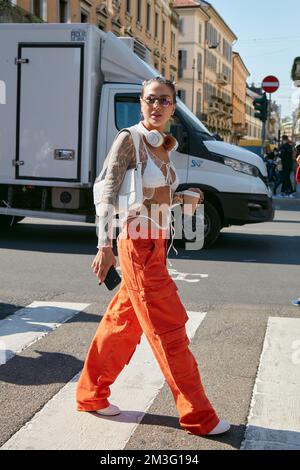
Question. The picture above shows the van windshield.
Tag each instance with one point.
(192, 121)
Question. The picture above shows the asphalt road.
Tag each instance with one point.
(249, 275)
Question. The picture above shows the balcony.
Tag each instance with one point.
(222, 79)
(213, 107)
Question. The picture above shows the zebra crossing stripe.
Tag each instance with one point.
(29, 324)
(274, 419)
(59, 426)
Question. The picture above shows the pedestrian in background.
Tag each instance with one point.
(296, 302)
(278, 172)
(286, 155)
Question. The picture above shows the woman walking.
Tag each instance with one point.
(147, 301)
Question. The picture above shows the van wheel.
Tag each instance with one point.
(212, 224)
(10, 220)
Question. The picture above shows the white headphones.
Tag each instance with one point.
(156, 139)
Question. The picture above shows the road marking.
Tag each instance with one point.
(179, 276)
(274, 419)
(59, 426)
(29, 324)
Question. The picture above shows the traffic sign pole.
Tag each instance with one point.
(270, 84)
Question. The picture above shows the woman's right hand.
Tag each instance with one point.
(103, 260)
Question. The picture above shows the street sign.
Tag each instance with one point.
(270, 84)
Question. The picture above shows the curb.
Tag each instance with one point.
(284, 202)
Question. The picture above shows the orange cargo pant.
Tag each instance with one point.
(146, 302)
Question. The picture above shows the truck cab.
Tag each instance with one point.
(233, 179)
(65, 92)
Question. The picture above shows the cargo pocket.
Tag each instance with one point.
(165, 309)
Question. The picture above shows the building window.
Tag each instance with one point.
(148, 16)
(199, 66)
(84, 17)
(198, 103)
(63, 11)
(211, 35)
(37, 8)
(200, 34)
(227, 72)
(163, 71)
(211, 61)
(128, 6)
(156, 24)
(163, 36)
(182, 62)
(139, 11)
(181, 25)
(182, 95)
(173, 43)
(227, 50)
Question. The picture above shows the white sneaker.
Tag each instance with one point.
(221, 428)
(110, 410)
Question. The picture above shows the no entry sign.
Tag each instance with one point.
(270, 84)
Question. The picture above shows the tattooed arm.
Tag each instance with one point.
(121, 157)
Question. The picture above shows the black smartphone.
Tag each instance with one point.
(112, 278)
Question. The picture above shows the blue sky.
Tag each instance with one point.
(268, 34)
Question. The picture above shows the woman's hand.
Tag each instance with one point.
(201, 194)
(103, 260)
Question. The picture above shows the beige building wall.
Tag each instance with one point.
(239, 78)
(218, 73)
(191, 51)
(253, 125)
(152, 22)
(216, 77)
(287, 129)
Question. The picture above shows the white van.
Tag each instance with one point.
(66, 90)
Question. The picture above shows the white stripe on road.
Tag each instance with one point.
(274, 419)
(59, 426)
(20, 330)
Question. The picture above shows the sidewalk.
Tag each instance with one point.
(284, 203)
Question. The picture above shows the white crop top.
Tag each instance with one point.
(153, 176)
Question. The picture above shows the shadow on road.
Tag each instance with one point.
(81, 239)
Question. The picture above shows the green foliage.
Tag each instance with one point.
(10, 13)
(293, 73)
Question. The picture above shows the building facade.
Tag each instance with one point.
(287, 128)
(274, 124)
(154, 23)
(240, 74)
(191, 52)
(205, 64)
